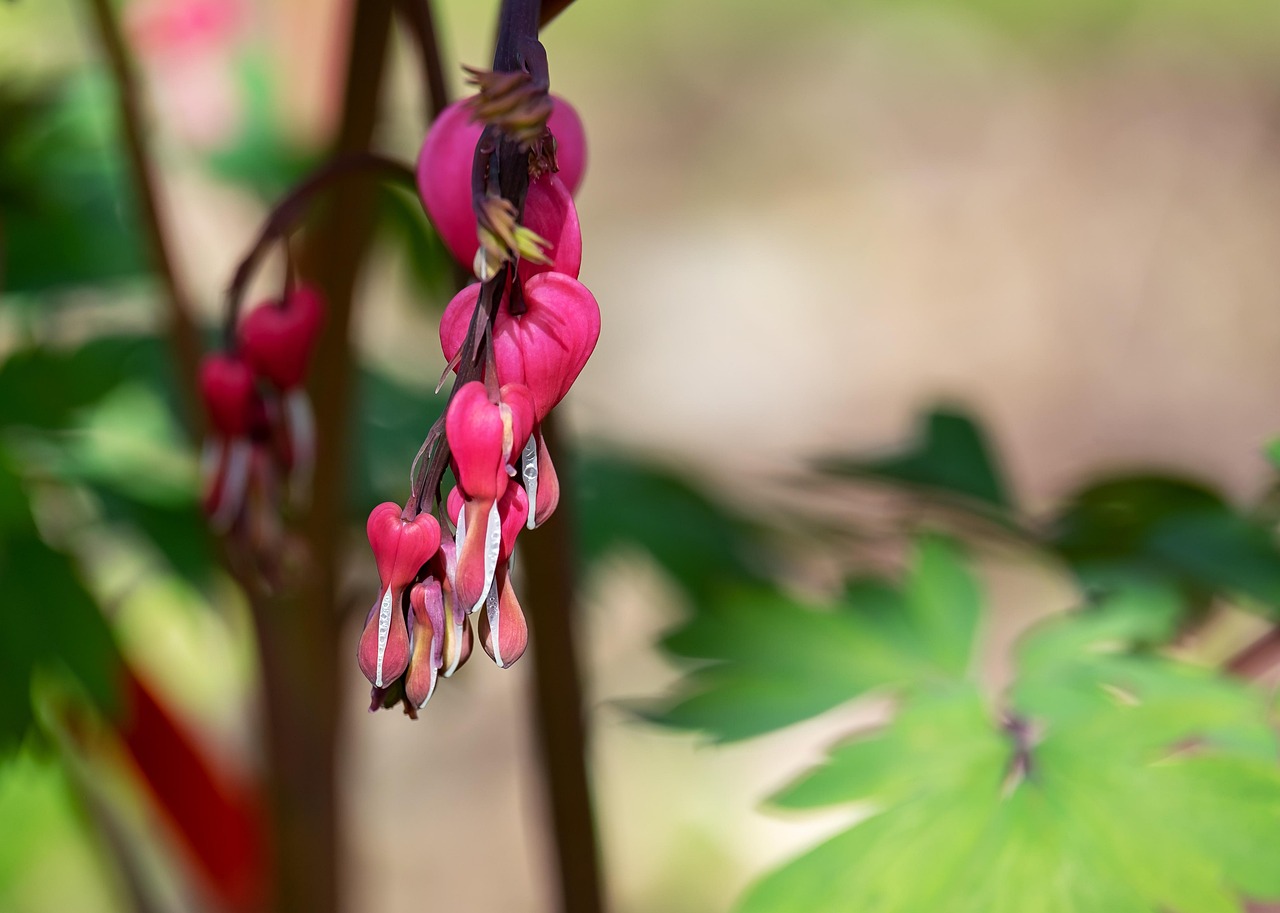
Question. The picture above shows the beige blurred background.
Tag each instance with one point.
(804, 222)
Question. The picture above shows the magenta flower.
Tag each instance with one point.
(485, 438)
(401, 547)
(231, 401)
(444, 182)
(544, 348)
(277, 340)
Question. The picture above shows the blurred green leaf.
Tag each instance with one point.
(1168, 529)
(1113, 782)
(393, 420)
(50, 620)
(46, 388)
(430, 264)
(701, 543)
(773, 661)
(67, 210)
(951, 456)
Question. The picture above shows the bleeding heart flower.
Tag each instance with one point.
(234, 409)
(546, 347)
(444, 183)
(484, 436)
(226, 384)
(485, 439)
(277, 338)
(400, 547)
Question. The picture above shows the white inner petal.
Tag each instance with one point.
(384, 629)
(491, 607)
(529, 472)
(492, 545)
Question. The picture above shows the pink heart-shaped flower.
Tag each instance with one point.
(546, 347)
(401, 547)
(226, 385)
(277, 339)
(444, 183)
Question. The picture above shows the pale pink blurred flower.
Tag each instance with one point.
(187, 48)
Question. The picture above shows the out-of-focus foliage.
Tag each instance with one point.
(1106, 778)
(772, 661)
(64, 219)
(1115, 530)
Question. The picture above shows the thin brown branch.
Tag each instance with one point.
(184, 336)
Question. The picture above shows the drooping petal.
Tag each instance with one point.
(226, 467)
(548, 484)
(383, 652)
(513, 510)
(426, 603)
(477, 552)
(504, 634)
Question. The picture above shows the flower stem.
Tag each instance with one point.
(298, 630)
(550, 588)
(184, 337)
(285, 216)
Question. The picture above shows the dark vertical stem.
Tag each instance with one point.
(548, 556)
(184, 337)
(298, 633)
(419, 17)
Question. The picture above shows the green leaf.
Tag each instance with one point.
(1161, 528)
(68, 212)
(773, 660)
(1116, 781)
(50, 621)
(952, 456)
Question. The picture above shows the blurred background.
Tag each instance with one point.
(805, 222)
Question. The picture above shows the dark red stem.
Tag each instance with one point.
(550, 586)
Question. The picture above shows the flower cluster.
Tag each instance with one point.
(518, 340)
(261, 429)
